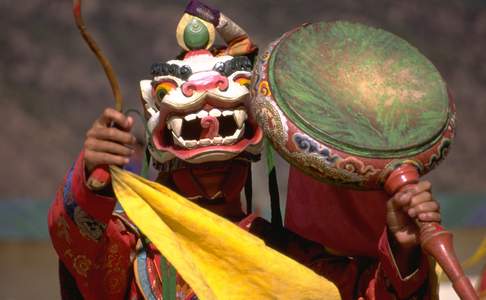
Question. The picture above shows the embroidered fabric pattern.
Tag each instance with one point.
(88, 226)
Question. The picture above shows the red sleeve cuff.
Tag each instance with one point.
(404, 286)
(95, 205)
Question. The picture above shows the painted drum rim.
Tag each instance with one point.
(340, 145)
(338, 167)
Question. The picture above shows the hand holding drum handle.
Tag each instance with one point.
(435, 240)
(100, 176)
(353, 151)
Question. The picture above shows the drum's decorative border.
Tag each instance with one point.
(320, 160)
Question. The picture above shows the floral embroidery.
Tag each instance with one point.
(69, 253)
(113, 280)
(82, 265)
(115, 273)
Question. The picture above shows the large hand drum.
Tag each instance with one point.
(359, 107)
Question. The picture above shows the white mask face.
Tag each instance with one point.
(197, 111)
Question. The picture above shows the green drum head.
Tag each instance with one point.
(363, 90)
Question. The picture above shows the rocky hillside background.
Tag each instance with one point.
(52, 88)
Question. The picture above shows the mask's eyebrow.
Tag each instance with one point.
(165, 69)
(239, 63)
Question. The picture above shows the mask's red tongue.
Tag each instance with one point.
(210, 127)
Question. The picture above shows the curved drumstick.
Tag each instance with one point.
(100, 176)
(435, 240)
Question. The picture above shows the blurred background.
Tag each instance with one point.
(52, 89)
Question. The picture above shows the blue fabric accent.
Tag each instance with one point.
(68, 198)
(143, 275)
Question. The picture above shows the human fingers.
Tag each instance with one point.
(396, 215)
(422, 186)
(420, 198)
(425, 207)
(94, 159)
(112, 134)
(430, 217)
(414, 195)
(401, 199)
(108, 147)
(111, 117)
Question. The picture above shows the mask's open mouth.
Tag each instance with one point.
(209, 130)
(206, 128)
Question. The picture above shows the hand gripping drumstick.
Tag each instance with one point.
(100, 176)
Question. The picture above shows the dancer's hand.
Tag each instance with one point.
(402, 212)
(406, 207)
(109, 141)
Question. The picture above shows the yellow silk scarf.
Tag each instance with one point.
(215, 257)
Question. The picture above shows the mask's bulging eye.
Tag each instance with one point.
(243, 80)
(162, 88)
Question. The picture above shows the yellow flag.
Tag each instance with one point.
(477, 256)
(472, 261)
(218, 259)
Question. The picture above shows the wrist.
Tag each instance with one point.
(406, 254)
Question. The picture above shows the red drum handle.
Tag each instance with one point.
(435, 240)
(99, 178)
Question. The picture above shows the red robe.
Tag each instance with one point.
(352, 225)
(102, 254)
(482, 284)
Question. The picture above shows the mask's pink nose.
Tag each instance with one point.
(204, 81)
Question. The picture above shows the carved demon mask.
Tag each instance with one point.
(197, 109)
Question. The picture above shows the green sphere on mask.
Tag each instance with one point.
(196, 35)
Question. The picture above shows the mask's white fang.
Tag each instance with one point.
(240, 117)
(175, 124)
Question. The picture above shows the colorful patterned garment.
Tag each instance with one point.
(150, 270)
(103, 256)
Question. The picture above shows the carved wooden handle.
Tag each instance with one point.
(435, 240)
